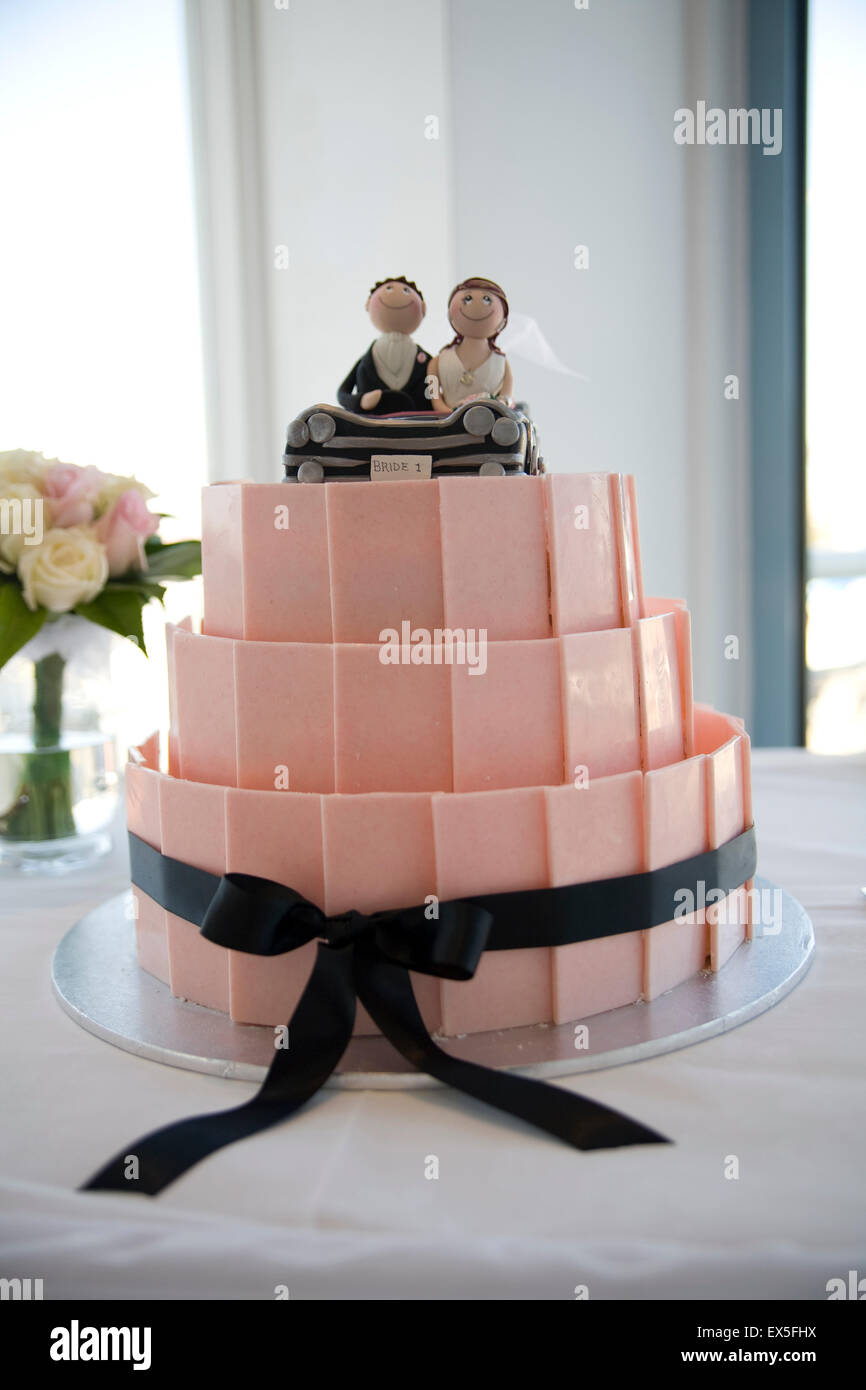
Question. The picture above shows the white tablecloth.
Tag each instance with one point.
(336, 1203)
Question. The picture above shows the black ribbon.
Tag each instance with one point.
(368, 957)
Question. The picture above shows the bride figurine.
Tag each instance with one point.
(472, 367)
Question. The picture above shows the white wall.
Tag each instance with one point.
(316, 114)
(716, 331)
(353, 187)
(563, 135)
(556, 128)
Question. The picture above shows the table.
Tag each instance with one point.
(336, 1204)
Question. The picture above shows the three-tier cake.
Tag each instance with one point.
(419, 690)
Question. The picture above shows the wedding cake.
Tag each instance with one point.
(417, 690)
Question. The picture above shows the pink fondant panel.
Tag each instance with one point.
(386, 557)
(222, 560)
(508, 721)
(725, 792)
(599, 702)
(585, 589)
(673, 952)
(746, 746)
(151, 937)
(267, 989)
(285, 715)
(494, 556)
(192, 819)
(634, 532)
(675, 806)
(199, 970)
(490, 842)
(205, 708)
(277, 835)
(591, 976)
(629, 576)
(658, 607)
(193, 823)
(147, 753)
(683, 623)
(173, 745)
(508, 990)
(728, 921)
(749, 820)
(712, 728)
(286, 584)
(595, 830)
(378, 851)
(142, 803)
(392, 721)
(655, 607)
(661, 706)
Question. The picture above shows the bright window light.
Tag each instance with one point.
(835, 428)
(100, 346)
(100, 351)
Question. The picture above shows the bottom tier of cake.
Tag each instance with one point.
(381, 850)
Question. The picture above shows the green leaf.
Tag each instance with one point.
(17, 623)
(118, 609)
(179, 561)
(139, 586)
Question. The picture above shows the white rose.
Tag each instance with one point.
(17, 524)
(23, 466)
(69, 567)
(114, 485)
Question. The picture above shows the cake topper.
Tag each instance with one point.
(392, 374)
(471, 367)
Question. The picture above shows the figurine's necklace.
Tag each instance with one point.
(468, 377)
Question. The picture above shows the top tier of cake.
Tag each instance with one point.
(522, 558)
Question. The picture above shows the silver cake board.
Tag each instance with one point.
(98, 982)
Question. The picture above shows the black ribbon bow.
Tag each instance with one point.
(444, 939)
(369, 957)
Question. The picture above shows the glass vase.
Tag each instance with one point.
(58, 749)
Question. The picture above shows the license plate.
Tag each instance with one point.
(390, 467)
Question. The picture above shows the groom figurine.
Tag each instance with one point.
(392, 374)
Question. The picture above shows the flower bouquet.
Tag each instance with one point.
(78, 547)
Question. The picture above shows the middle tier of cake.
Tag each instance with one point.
(416, 716)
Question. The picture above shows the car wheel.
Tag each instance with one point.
(505, 431)
(311, 471)
(321, 427)
(298, 434)
(478, 420)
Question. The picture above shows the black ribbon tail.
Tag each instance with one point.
(319, 1032)
(385, 990)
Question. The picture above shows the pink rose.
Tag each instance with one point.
(73, 493)
(123, 531)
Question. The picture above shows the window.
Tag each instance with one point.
(100, 351)
(835, 365)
